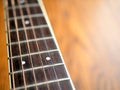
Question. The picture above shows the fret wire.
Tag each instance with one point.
(31, 40)
(43, 83)
(36, 43)
(40, 67)
(28, 28)
(35, 53)
(51, 29)
(27, 43)
(22, 6)
(25, 16)
(19, 43)
(51, 60)
(10, 50)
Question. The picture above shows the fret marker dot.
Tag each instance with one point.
(48, 58)
(23, 62)
(27, 22)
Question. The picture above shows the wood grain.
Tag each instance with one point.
(88, 35)
(4, 80)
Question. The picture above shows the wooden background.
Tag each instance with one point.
(88, 33)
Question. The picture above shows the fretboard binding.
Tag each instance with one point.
(42, 83)
(35, 53)
(28, 28)
(22, 6)
(34, 68)
(31, 40)
(26, 16)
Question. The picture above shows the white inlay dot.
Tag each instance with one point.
(22, 1)
(23, 62)
(48, 58)
(27, 22)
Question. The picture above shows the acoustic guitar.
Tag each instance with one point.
(88, 35)
(34, 58)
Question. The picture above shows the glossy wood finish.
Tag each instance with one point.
(88, 34)
(4, 84)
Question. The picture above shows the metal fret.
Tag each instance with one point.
(42, 83)
(28, 28)
(51, 61)
(22, 6)
(40, 52)
(31, 40)
(45, 66)
(26, 16)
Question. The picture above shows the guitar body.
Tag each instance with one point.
(88, 35)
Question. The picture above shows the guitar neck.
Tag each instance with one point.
(35, 61)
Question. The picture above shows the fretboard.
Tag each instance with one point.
(35, 61)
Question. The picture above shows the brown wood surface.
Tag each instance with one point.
(88, 35)
(4, 80)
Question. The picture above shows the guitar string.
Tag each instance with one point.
(37, 44)
(10, 48)
(50, 55)
(16, 24)
(27, 42)
(47, 48)
(52, 58)
(46, 45)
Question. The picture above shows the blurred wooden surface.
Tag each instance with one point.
(4, 80)
(88, 33)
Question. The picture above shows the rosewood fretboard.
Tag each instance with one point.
(35, 62)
